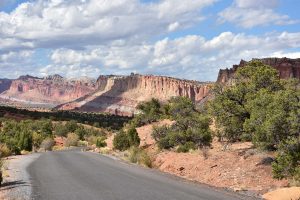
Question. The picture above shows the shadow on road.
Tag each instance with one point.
(12, 184)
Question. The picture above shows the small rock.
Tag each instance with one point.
(181, 168)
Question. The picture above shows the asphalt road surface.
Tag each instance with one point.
(76, 175)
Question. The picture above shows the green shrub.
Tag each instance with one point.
(72, 140)
(71, 126)
(61, 130)
(133, 137)
(101, 142)
(137, 155)
(183, 148)
(287, 162)
(121, 141)
(4, 151)
(159, 132)
(81, 132)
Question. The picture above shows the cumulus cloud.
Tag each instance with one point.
(77, 23)
(191, 57)
(251, 13)
(14, 64)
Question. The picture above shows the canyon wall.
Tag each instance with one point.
(52, 90)
(287, 68)
(121, 94)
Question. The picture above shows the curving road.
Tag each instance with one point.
(76, 175)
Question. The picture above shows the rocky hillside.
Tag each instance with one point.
(51, 90)
(121, 94)
(288, 68)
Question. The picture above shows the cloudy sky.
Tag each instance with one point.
(189, 39)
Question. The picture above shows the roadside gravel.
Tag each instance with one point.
(17, 184)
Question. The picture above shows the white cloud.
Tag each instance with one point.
(191, 57)
(14, 64)
(251, 13)
(77, 24)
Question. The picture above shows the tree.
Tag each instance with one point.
(274, 117)
(133, 137)
(121, 141)
(287, 163)
(150, 112)
(190, 130)
(230, 107)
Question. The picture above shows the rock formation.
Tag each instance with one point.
(121, 94)
(287, 68)
(52, 90)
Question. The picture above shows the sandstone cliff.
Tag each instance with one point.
(52, 90)
(121, 94)
(287, 68)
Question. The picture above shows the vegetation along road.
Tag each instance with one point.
(77, 175)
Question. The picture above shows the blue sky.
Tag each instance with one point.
(189, 39)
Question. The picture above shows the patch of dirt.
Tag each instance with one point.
(292, 193)
(238, 166)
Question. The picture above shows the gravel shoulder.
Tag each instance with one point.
(17, 183)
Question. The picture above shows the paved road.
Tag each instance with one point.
(76, 175)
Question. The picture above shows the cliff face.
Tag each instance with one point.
(121, 94)
(50, 90)
(4, 85)
(287, 68)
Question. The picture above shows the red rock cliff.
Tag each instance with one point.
(287, 68)
(52, 89)
(121, 94)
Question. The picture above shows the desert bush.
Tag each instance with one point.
(287, 162)
(100, 143)
(72, 140)
(91, 139)
(137, 155)
(183, 148)
(121, 141)
(47, 144)
(61, 130)
(133, 137)
(159, 132)
(4, 151)
(71, 126)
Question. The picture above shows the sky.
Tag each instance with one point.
(190, 39)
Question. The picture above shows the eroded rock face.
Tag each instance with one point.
(52, 90)
(121, 94)
(287, 68)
